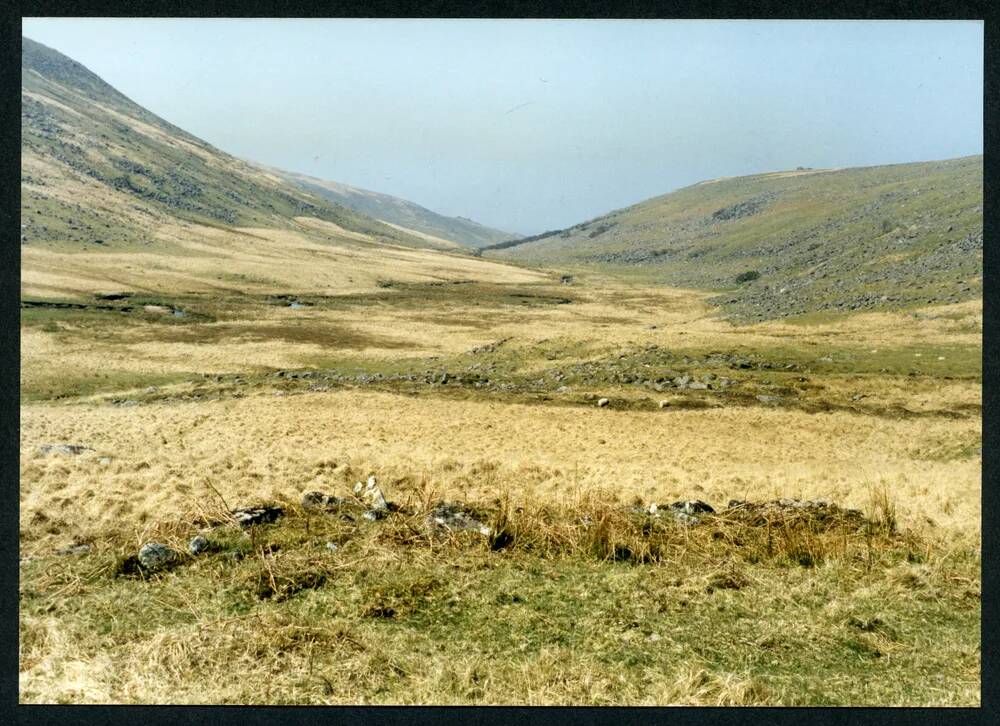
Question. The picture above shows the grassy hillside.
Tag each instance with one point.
(99, 171)
(793, 243)
(394, 210)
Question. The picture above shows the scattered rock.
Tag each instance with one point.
(332, 546)
(150, 389)
(371, 495)
(769, 399)
(455, 516)
(69, 449)
(155, 556)
(685, 512)
(104, 461)
(249, 516)
(77, 549)
(692, 506)
(603, 403)
(664, 404)
(198, 545)
(320, 500)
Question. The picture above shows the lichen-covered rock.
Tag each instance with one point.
(249, 516)
(687, 512)
(371, 495)
(76, 549)
(321, 501)
(455, 516)
(197, 545)
(155, 556)
(692, 506)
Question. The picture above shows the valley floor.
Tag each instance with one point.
(486, 392)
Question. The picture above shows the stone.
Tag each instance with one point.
(197, 545)
(68, 449)
(693, 506)
(769, 399)
(155, 556)
(150, 389)
(320, 500)
(371, 495)
(249, 516)
(664, 404)
(104, 461)
(695, 386)
(332, 546)
(685, 512)
(455, 516)
(77, 549)
(603, 403)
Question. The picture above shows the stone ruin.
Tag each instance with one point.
(369, 503)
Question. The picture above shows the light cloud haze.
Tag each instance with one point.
(536, 125)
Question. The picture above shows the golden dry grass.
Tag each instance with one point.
(268, 447)
(170, 458)
(320, 257)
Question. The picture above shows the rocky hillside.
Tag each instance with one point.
(454, 230)
(99, 171)
(792, 243)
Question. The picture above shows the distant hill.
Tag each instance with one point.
(400, 212)
(794, 242)
(99, 170)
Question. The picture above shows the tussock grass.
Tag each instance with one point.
(399, 614)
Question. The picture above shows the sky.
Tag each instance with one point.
(538, 125)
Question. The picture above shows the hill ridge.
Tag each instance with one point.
(784, 244)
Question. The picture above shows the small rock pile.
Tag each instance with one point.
(455, 516)
(250, 516)
(686, 512)
(369, 502)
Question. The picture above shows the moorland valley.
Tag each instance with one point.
(719, 447)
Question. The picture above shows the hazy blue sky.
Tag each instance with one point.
(535, 125)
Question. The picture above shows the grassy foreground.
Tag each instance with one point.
(583, 604)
